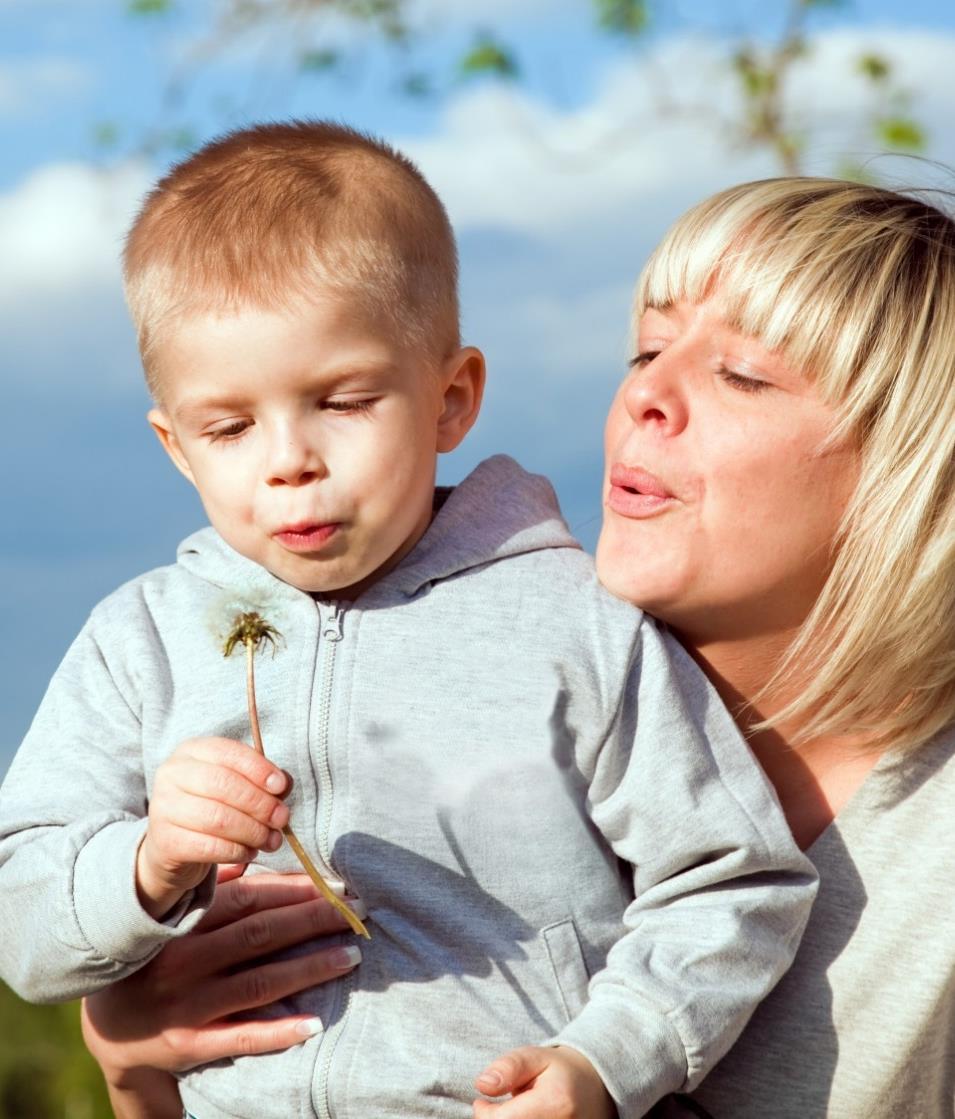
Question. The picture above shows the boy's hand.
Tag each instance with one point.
(214, 801)
(546, 1083)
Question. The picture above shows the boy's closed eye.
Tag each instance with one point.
(230, 432)
(355, 406)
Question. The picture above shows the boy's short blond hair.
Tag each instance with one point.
(272, 215)
(855, 286)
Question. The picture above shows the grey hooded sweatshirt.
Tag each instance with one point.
(558, 832)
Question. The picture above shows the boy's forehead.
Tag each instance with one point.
(210, 358)
(321, 326)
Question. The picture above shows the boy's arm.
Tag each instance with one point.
(72, 814)
(722, 891)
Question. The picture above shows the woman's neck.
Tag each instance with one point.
(814, 779)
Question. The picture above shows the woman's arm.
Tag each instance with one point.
(179, 1010)
(147, 1094)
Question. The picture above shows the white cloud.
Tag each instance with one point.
(61, 309)
(592, 188)
(505, 159)
(28, 84)
(63, 226)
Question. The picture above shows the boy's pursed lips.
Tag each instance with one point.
(306, 536)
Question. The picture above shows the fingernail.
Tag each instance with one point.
(345, 957)
(275, 782)
(274, 842)
(310, 1028)
(491, 1081)
(357, 906)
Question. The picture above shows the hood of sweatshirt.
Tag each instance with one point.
(498, 511)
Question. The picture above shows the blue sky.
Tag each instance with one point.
(558, 187)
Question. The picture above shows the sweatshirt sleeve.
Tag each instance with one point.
(72, 815)
(722, 893)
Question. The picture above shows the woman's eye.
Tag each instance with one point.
(643, 358)
(743, 384)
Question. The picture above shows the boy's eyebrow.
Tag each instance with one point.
(199, 405)
(330, 382)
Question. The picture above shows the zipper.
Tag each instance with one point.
(330, 1044)
(331, 635)
(332, 623)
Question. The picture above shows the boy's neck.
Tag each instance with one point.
(350, 594)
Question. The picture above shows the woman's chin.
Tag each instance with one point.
(648, 581)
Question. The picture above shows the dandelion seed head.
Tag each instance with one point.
(223, 616)
(251, 630)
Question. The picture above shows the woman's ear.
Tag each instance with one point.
(161, 424)
(462, 382)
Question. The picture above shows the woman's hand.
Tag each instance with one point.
(179, 1010)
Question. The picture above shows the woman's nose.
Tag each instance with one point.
(655, 395)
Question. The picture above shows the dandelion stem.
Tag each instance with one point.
(250, 696)
(252, 630)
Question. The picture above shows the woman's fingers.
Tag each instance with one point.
(259, 934)
(238, 897)
(237, 1039)
(266, 983)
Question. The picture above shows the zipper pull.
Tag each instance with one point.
(332, 630)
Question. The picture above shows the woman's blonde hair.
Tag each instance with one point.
(855, 286)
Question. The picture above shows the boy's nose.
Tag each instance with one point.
(293, 462)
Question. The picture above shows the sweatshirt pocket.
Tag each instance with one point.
(567, 963)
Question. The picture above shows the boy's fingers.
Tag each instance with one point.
(526, 1106)
(243, 759)
(513, 1071)
(219, 782)
(216, 820)
(193, 847)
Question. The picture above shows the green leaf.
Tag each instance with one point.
(389, 15)
(902, 133)
(148, 7)
(755, 78)
(875, 67)
(488, 56)
(623, 17)
(319, 60)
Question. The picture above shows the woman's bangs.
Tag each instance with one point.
(771, 279)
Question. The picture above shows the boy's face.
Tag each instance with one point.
(312, 436)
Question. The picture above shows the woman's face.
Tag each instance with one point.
(720, 501)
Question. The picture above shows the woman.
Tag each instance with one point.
(780, 491)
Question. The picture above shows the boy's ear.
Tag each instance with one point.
(160, 423)
(462, 380)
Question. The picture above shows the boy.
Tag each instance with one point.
(551, 821)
